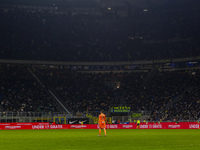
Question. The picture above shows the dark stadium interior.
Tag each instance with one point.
(44, 45)
(99, 30)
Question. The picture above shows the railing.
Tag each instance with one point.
(30, 116)
(13, 117)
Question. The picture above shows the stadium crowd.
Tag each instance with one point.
(92, 92)
(187, 106)
(21, 93)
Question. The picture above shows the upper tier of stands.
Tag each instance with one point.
(98, 33)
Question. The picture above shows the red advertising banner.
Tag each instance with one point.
(150, 125)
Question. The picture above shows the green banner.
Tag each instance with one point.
(136, 115)
(120, 109)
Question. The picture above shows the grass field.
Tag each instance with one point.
(82, 139)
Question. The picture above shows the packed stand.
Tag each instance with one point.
(86, 91)
(93, 92)
(188, 107)
(19, 92)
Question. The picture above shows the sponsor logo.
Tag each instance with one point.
(56, 127)
(194, 126)
(12, 127)
(38, 127)
(145, 126)
(113, 127)
(157, 126)
(78, 126)
(71, 122)
(150, 126)
(127, 126)
(174, 126)
(82, 121)
(6, 124)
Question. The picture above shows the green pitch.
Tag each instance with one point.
(84, 139)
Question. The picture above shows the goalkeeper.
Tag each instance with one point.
(102, 123)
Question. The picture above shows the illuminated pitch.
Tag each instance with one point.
(87, 139)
